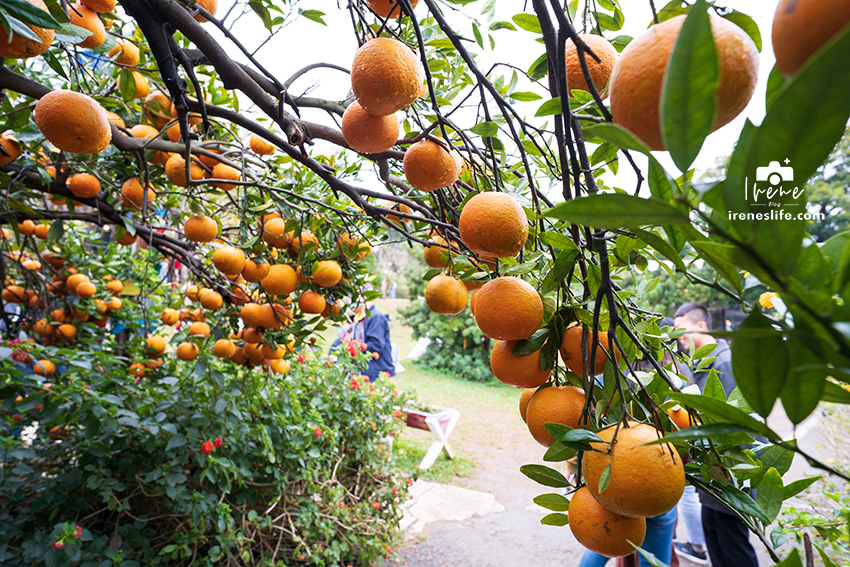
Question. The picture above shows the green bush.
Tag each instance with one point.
(457, 345)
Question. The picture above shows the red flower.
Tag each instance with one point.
(207, 447)
(376, 505)
(395, 491)
(88, 387)
(301, 358)
(317, 432)
(398, 413)
(218, 442)
(58, 545)
(79, 532)
(376, 356)
(363, 347)
(353, 344)
(355, 384)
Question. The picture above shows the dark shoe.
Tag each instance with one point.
(687, 551)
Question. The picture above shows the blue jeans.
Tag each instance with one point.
(659, 542)
(690, 510)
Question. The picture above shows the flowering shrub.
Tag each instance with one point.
(196, 463)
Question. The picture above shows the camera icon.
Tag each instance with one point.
(775, 173)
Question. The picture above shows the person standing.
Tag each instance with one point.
(726, 537)
(374, 332)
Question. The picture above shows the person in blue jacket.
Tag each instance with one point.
(374, 330)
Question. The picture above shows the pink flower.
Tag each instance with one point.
(398, 414)
(88, 387)
(218, 442)
(58, 545)
(355, 384)
(363, 347)
(79, 532)
(376, 356)
(207, 447)
(353, 344)
(317, 432)
(395, 491)
(301, 358)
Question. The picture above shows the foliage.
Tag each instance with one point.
(828, 193)
(670, 291)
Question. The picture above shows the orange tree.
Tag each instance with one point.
(518, 206)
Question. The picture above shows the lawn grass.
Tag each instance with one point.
(408, 451)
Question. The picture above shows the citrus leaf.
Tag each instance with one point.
(544, 475)
(550, 107)
(616, 211)
(528, 22)
(605, 478)
(554, 502)
(555, 520)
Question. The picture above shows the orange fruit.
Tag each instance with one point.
(155, 344)
(367, 133)
(88, 19)
(141, 85)
(187, 351)
(137, 369)
(274, 316)
(402, 208)
(199, 329)
(21, 47)
(493, 224)
(11, 150)
(14, 294)
(508, 309)
(271, 353)
(238, 356)
(250, 314)
(115, 119)
(645, 480)
(200, 228)
(224, 171)
(311, 302)
(170, 316)
(73, 122)
(280, 366)
(802, 27)
(306, 239)
(114, 304)
(522, 371)
(158, 108)
(229, 260)
(332, 309)
(127, 239)
(175, 170)
(66, 332)
(252, 335)
(389, 8)
(100, 6)
(556, 404)
(571, 352)
(27, 227)
(260, 146)
(42, 327)
(212, 300)
(132, 195)
(429, 166)
(173, 132)
(437, 256)
(208, 5)
(524, 400)
(58, 315)
(680, 416)
(386, 76)
(327, 273)
(84, 185)
(154, 364)
(115, 286)
(192, 292)
(274, 233)
(446, 295)
(364, 250)
(600, 71)
(44, 368)
(281, 280)
(127, 52)
(210, 146)
(74, 280)
(224, 348)
(144, 131)
(601, 530)
(255, 271)
(86, 289)
(635, 86)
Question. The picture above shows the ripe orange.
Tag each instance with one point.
(155, 344)
(210, 6)
(86, 289)
(306, 239)
(100, 6)
(127, 239)
(493, 224)
(115, 286)
(115, 119)
(252, 335)
(367, 133)
(446, 295)
(224, 348)
(44, 368)
(332, 309)
(429, 166)
(73, 122)
(127, 52)
(88, 19)
(524, 400)
(141, 86)
(21, 47)
(402, 208)
(137, 369)
(187, 351)
(170, 316)
(132, 195)
(255, 271)
(386, 76)
(27, 227)
(250, 314)
(199, 329)
(556, 404)
(273, 353)
(602, 531)
(66, 332)
(229, 260)
(600, 71)
(522, 371)
(280, 366)
(224, 171)
(389, 8)
(508, 309)
(274, 316)
(173, 132)
(154, 363)
(327, 273)
(143, 131)
(210, 146)
(114, 304)
(281, 280)
(200, 228)
(260, 146)
(437, 256)
(11, 150)
(158, 108)
(211, 300)
(84, 185)
(635, 87)
(41, 231)
(14, 294)
(175, 170)
(645, 480)
(364, 250)
(74, 280)
(802, 27)
(680, 416)
(274, 233)
(311, 302)
(571, 352)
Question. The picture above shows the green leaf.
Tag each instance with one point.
(835, 394)
(827, 562)
(794, 488)
(545, 476)
(555, 520)
(314, 15)
(550, 107)
(485, 129)
(176, 442)
(528, 22)
(579, 439)
(30, 13)
(770, 494)
(688, 103)
(557, 453)
(702, 432)
(806, 381)
(792, 560)
(777, 457)
(714, 387)
(524, 96)
(558, 240)
(532, 344)
(539, 68)
(57, 230)
(747, 24)
(739, 499)
(260, 9)
(69, 33)
(648, 555)
(617, 210)
(760, 364)
(662, 246)
(127, 84)
(605, 478)
(554, 502)
(722, 411)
